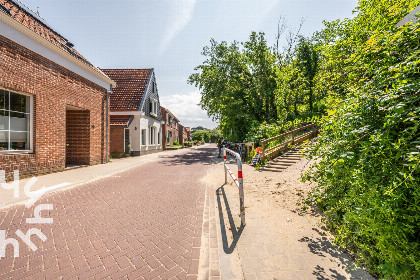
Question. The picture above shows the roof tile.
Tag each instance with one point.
(131, 85)
(119, 120)
(22, 14)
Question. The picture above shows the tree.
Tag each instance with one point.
(307, 62)
(367, 168)
(237, 84)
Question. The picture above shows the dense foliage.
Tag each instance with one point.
(359, 80)
(206, 135)
(368, 169)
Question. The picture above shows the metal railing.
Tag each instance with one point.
(238, 181)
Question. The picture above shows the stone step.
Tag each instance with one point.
(286, 161)
(271, 169)
(280, 164)
(276, 166)
(288, 158)
(292, 154)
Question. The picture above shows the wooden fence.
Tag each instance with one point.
(294, 137)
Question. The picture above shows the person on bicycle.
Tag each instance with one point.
(220, 146)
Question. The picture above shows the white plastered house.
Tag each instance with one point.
(135, 116)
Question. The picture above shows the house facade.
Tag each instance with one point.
(53, 102)
(183, 134)
(188, 133)
(135, 115)
(170, 128)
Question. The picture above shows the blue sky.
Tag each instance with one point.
(169, 35)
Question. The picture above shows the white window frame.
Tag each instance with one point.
(31, 125)
(154, 107)
(143, 143)
(152, 136)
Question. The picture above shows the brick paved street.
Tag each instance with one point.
(143, 223)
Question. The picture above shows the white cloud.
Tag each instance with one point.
(185, 107)
(181, 14)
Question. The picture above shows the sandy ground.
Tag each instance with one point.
(279, 241)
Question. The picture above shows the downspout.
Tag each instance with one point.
(107, 122)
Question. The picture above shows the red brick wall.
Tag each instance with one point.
(52, 87)
(116, 140)
(181, 134)
(77, 137)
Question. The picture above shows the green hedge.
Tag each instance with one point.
(368, 156)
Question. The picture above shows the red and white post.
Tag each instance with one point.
(239, 181)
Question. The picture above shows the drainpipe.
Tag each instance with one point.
(107, 122)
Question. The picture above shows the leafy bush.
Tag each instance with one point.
(187, 143)
(367, 166)
(176, 143)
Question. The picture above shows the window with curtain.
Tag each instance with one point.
(15, 117)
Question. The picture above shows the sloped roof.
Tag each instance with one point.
(170, 113)
(29, 19)
(119, 120)
(131, 85)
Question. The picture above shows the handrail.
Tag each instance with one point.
(287, 133)
(238, 181)
(271, 150)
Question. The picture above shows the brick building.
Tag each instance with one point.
(170, 128)
(135, 112)
(53, 102)
(188, 132)
(183, 134)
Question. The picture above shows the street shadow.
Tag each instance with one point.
(228, 249)
(204, 157)
(320, 246)
(310, 210)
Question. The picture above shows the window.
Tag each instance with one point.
(127, 141)
(15, 121)
(168, 138)
(152, 135)
(153, 106)
(158, 138)
(167, 119)
(143, 137)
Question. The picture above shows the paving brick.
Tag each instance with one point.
(167, 262)
(193, 269)
(123, 262)
(154, 273)
(152, 262)
(75, 272)
(138, 262)
(118, 227)
(138, 273)
(107, 273)
(94, 262)
(64, 262)
(123, 272)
